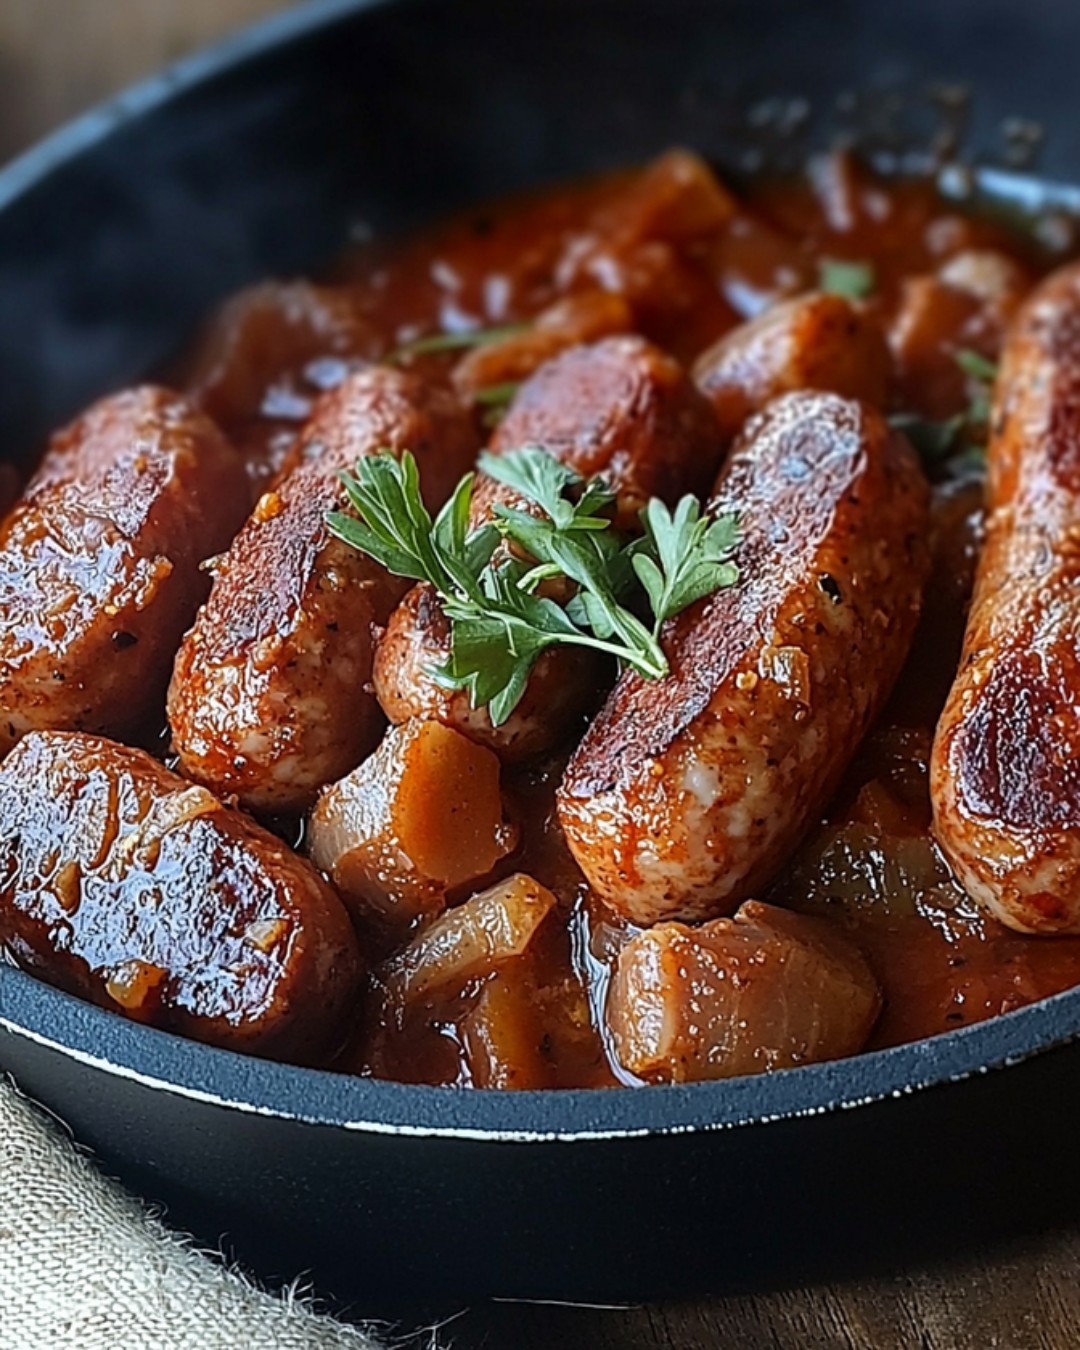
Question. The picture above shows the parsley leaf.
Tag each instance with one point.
(501, 621)
(852, 280)
(933, 441)
(964, 434)
(976, 365)
(452, 342)
(683, 556)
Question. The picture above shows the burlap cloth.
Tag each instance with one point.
(83, 1264)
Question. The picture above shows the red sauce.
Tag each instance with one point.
(871, 865)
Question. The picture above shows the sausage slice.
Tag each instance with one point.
(124, 884)
(688, 793)
(815, 341)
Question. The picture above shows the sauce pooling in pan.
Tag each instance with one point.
(737, 440)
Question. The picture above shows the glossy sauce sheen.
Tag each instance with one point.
(140, 891)
(871, 867)
(673, 258)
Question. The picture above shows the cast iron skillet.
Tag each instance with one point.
(257, 160)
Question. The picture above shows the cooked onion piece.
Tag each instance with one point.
(767, 989)
(470, 941)
(503, 1035)
(421, 817)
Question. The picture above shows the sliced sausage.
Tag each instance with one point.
(815, 341)
(100, 563)
(1005, 774)
(764, 990)
(688, 793)
(620, 409)
(124, 884)
(270, 697)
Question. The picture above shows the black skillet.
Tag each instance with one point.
(257, 160)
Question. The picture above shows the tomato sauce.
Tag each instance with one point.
(689, 276)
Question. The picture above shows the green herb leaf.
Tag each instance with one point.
(957, 436)
(537, 476)
(976, 365)
(852, 280)
(496, 395)
(452, 342)
(500, 619)
(683, 556)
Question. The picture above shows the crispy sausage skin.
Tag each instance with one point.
(765, 990)
(619, 408)
(815, 341)
(1005, 773)
(126, 885)
(270, 697)
(687, 794)
(99, 563)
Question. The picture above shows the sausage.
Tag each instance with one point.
(100, 563)
(124, 884)
(688, 793)
(765, 990)
(618, 408)
(270, 696)
(623, 410)
(815, 341)
(1005, 770)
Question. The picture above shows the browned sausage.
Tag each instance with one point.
(1005, 774)
(99, 563)
(688, 793)
(765, 990)
(270, 698)
(620, 409)
(126, 885)
(812, 342)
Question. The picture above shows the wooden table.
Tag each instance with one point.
(58, 56)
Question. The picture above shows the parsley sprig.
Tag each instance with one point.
(434, 344)
(492, 578)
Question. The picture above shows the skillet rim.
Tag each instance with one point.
(161, 1061)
